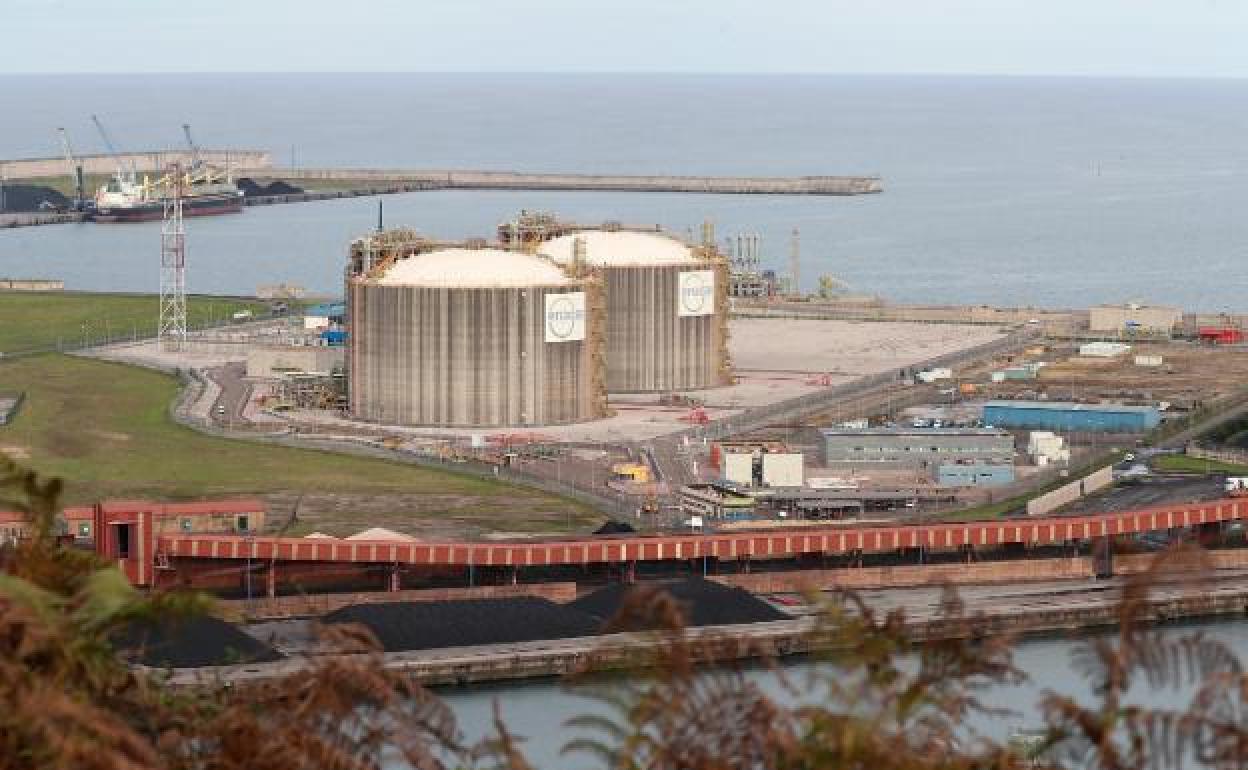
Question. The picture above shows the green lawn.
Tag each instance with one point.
(105, 429)
(39, 320)
(1185, 464)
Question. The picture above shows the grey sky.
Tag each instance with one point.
(1065, 37)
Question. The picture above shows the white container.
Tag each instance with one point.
(1148, 360)
(1103, 349)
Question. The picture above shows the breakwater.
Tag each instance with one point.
(514, 180)
(142, 162)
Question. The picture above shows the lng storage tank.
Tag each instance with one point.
(467, 335)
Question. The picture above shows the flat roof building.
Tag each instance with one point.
(915, 447)
(1134, 318)
(1068, 416)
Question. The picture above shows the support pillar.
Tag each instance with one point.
(630, 574)
(270, 581)
(395, 583)
(1103, 558)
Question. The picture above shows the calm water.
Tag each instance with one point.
(1009, 191)
(538, 711)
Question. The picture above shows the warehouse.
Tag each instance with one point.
(465, 335)
(1134, 318)
(1067, 416)
(915, 448)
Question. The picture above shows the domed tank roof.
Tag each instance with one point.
(609, 248)
(474, 268)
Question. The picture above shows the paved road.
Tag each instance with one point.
(235, 393)
(1148, 492)
(1180, 440)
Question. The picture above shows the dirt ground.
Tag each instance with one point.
(427, 516)
(1190, 373)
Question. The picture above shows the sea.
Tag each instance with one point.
(1053, 192)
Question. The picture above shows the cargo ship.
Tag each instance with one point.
(205, 192)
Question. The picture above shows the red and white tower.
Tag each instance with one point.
(173, 269)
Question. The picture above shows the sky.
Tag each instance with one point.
(1133, 38)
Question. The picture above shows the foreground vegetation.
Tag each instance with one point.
(1186, 464)
(34, 321)
(105, 429)
(882, 700)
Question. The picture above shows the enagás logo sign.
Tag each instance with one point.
(565, 317)
(697, 293)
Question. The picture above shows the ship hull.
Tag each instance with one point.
(194, 206)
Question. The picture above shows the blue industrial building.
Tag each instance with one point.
(1068, 416)
(331, 312)
(974, 475)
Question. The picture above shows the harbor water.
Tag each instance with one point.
(1011, 191)
(538, 711)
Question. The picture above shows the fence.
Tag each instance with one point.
(602, 498)
(1233, 456)
(1068, 493)
(800, 406)
(184, 411)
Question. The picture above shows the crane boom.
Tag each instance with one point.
(75, 169)
(196, 161)
(112, 149)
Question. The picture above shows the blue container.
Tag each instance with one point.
(1065, 416)
(334, 337)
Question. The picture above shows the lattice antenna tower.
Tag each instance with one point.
(795, 264)
(173, 269)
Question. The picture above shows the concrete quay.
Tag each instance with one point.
(1002, 609)
(34, 218)
(513, 180)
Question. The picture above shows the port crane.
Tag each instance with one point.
(196, 160)
(75, 168)
(130, 176)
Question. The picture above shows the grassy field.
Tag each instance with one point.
(39, 320)
(105, 429)
(1185, 464)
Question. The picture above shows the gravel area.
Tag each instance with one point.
(465, 623)
(192, 642)
(705, 602)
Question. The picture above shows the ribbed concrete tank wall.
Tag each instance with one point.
(658, 338)
(459, 337)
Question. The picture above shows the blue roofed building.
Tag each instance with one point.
(1070, 416)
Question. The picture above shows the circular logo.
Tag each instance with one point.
(695, 292)
(561, 317)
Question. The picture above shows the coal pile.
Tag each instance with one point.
(251, 188)
(31, 197)
(465, 622)
(191, 643)
(705, 603)
(613, 527)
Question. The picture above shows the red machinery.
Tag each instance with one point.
(1221, 335)
(697, 416)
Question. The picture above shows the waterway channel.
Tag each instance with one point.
(538, 710)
